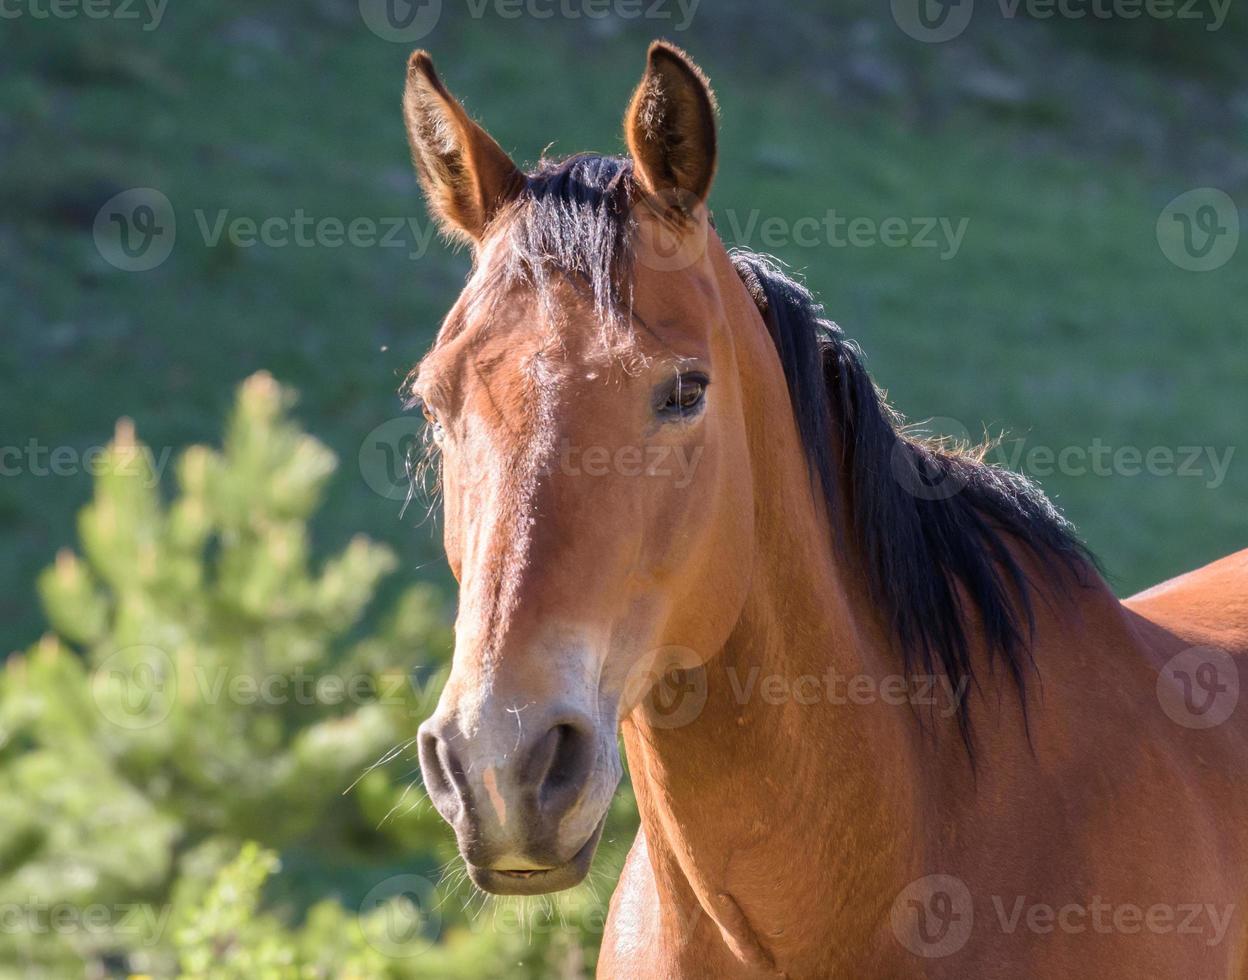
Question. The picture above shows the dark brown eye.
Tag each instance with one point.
(435, 426)
(684, 396)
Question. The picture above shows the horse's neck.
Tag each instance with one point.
(791, 789)
(791, 808)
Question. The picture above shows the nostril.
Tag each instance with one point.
(444, 777)
(560, 763)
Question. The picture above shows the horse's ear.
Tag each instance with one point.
(670, 125)
(465, 174)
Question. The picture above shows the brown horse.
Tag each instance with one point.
(882, 715)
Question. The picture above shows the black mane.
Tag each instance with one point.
(936, 527)
(933, 523)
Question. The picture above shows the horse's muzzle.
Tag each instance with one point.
(517, 799)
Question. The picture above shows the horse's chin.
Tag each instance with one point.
(541, 881)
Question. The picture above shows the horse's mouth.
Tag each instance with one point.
(539, 881)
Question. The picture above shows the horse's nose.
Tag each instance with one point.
(507, 795)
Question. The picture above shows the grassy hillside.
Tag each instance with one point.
(1057, 317)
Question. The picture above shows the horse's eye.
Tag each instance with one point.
(684, 396)
(435, 426)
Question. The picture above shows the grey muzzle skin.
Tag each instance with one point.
(520, 810)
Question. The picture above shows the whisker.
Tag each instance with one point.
(386, 757)
(402, 796)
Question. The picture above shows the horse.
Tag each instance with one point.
(882, 713)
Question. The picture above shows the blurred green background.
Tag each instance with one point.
(1062, 317)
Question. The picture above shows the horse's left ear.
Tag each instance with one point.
(670, 125)
(465, 174)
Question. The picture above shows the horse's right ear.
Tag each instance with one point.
(670, 126)
(465, 174)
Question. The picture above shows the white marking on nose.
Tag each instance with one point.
(490, 779)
